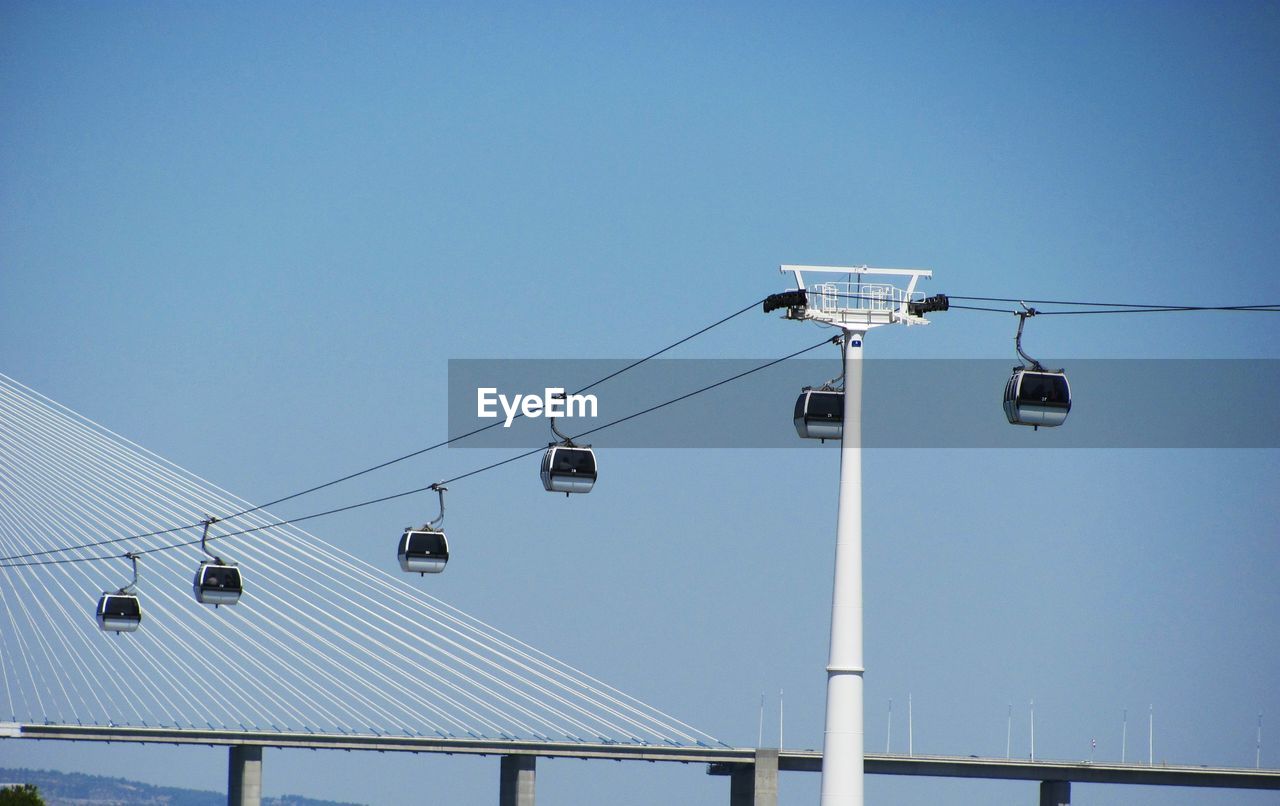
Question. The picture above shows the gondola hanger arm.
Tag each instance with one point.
(438, 522)
(208, 521)
(133, 558)
(564, 438)
(831, 384)
(1023, 315)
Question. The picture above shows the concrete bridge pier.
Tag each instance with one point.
(517, 780)
(755, 784)
(1055, 793)
(244, 775)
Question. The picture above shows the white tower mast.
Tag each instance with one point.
(855, 307)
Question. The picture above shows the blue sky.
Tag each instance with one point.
(250, 237)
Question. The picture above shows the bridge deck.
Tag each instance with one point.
(722, 760)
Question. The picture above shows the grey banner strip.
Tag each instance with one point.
(909, 403)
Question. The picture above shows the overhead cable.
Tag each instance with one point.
(8, 562)
(389, 462)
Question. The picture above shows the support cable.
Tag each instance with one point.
(7, 562)
(310, 664)
(1111, 307)
(82, 667)
(412, 454)
(348, 593)
(1144, 306)
(179, 499)
(84, 591)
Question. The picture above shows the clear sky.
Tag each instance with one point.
(250, 236)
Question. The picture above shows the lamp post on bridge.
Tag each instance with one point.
(865, 298)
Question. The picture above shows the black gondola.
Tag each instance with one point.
(568, 468)
(216, 582)
(1035, 396)
(119, 612)
(423, 551)
(819, 414)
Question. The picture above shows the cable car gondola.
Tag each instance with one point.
(121, 611)
(568, 467)
(216, 582)
(819, 413)
(1035, 396)
(425, 550)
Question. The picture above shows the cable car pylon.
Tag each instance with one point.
(864, 298)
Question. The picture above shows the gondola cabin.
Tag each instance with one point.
(119, 612)
(423, 551)
(819, 414)
(217, 583)
(568, 469)
(1037, 398)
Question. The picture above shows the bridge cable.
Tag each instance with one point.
(193, 684)
(406, 691)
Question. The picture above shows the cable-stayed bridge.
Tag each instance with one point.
(321, 651)
(321, 641)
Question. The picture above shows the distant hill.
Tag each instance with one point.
(75, 789)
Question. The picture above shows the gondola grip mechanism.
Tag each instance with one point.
(938, 302)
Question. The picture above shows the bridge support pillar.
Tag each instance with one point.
(756, 785)
(517, 781)
(244, 776)
(1055, 793)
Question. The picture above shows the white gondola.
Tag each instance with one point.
(568, 468)
(121, 611)
(1035, 396)
(819, 414)
(216, 582)
(425, 550)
